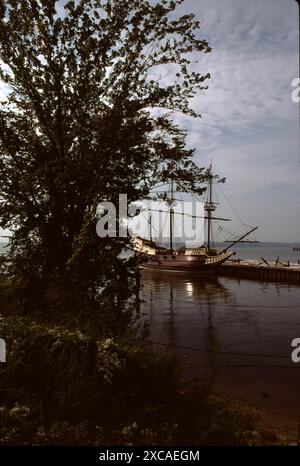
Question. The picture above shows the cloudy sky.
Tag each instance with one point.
(249, 127)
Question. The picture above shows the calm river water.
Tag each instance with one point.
(242, 328)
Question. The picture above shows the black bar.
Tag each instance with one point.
(122, 455)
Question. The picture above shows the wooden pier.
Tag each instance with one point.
(261, 271)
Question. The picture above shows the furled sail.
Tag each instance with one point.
(155, 217)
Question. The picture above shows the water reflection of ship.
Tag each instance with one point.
(171, 301)
(210, 289)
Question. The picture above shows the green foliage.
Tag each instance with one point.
(60, 386)
(57, 380)
(85, 120)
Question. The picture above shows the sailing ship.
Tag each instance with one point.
(162, 221)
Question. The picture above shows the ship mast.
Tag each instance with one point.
(150, 225)
(209, 207)
(170, 202)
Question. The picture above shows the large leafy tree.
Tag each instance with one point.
(86, 118)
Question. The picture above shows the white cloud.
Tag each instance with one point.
(249, 126)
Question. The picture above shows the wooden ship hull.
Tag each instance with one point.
(198, 260)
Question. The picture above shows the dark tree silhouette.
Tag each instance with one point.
(87, 118)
